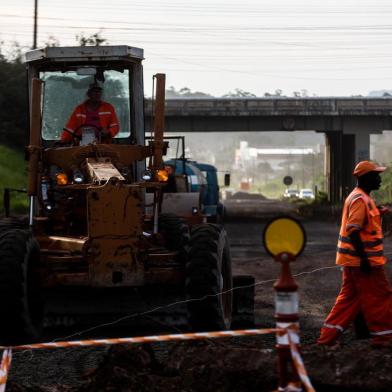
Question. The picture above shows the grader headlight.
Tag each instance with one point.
(61, 178)
(78, 177)
(162, 175)
(147, 175)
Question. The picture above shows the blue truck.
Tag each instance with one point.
(201, 178)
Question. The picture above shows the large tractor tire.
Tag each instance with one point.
(174, 231)
(12, 223)
(209, 280)
(22, 305)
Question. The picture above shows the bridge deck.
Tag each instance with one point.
(277, 107)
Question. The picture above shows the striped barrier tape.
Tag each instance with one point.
(7, 354)
(4, 368)
(146, 339)
(298, 363)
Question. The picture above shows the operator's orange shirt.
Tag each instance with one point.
(107, 120)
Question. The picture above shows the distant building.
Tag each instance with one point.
(247, 157)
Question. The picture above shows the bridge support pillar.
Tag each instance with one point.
(348, 164)
(333, 169)
(340, 160)
(362, 146)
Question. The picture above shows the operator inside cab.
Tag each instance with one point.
(93, 121)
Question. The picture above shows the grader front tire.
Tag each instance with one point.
(22, 305)
(208, 279)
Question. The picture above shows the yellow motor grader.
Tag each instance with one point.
(97, 240)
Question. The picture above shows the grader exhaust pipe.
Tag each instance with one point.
(34, 147)
(159, 120)
(158, 129)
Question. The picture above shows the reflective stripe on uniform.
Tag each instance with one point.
(102, 113)
(334, 326)
(71, 131)
(356, 226)
(369, 244)
(350, 252)
(380, 333)
(355, 197)
(113, 125)
(80, 115)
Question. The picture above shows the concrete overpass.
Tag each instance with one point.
(346, 122)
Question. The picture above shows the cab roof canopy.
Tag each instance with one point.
(76, 54)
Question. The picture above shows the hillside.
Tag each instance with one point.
(13, 174)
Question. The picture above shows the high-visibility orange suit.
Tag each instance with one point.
(104, 117)
(369, 293)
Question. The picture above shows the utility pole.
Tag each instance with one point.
(35, 24)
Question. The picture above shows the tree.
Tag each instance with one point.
(302, 93)
(51, 42)
(14, 52)
(384, 194)
(185, 92)
(92, 40)
(239, 93)
(13, 102)
(278, 93)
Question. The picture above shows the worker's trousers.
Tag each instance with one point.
(371, 294)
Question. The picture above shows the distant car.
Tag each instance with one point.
(306, 194)
(290, 193)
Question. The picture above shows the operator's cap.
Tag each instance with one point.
(364, 167)
(94, 86)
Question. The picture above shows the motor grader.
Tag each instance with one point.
(97, 240)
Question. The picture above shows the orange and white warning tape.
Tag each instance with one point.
(146, 339)
(7, 355)
(4, 368)
(298, 363)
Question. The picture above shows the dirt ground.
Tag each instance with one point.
(241, 364)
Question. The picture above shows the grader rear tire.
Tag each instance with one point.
(209, 281)
(174, 230)
(22, 305)
(10, 223)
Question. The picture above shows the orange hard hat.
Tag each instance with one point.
(364, 167)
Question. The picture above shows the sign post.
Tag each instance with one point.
(287, 180)
(284, 239)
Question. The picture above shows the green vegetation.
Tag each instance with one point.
(13, 102)
(13, 175)
(384, 194)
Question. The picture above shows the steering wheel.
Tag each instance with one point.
(79, 139)
(90, 139)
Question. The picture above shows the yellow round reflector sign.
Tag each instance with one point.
(284, 235)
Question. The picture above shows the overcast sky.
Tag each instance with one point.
(327, 47)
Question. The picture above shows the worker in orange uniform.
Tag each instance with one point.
(365, 286)
(94, 113)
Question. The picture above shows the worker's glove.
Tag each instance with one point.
(365, 266)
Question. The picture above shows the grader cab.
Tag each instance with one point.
(96, 232)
